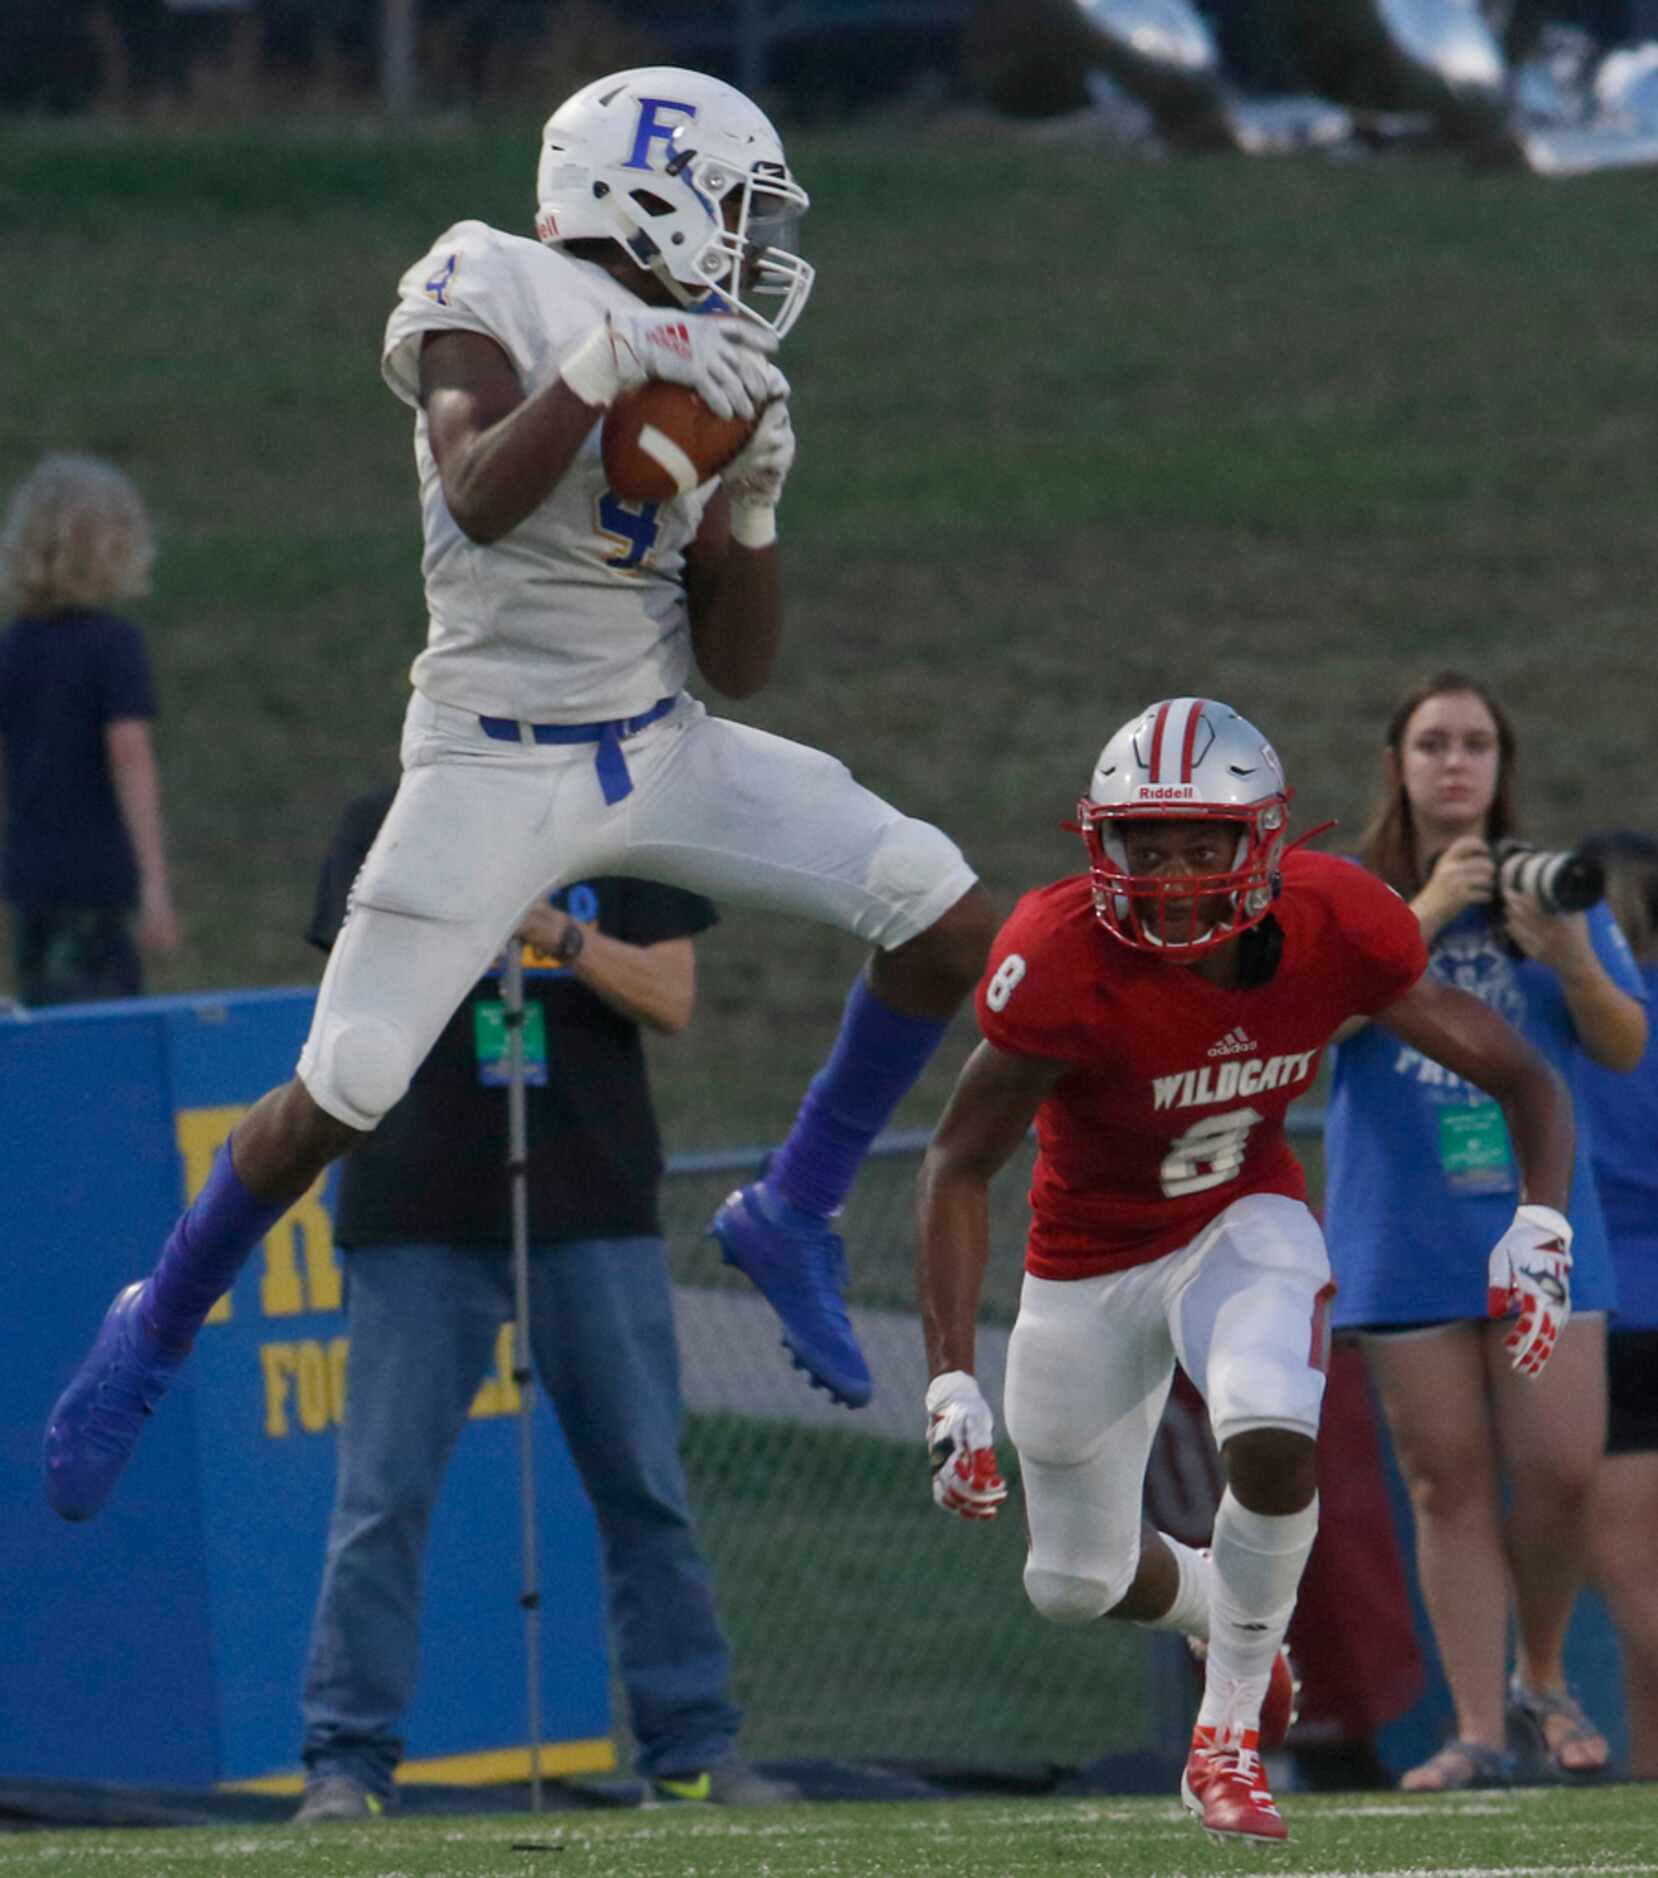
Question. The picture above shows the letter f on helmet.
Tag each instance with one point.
(652, 130)
(689, 179)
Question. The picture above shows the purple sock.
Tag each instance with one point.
(205, 1251)
(876, 1059)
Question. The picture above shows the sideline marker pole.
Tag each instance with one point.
(523, 1375)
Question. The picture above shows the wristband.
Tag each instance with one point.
(948, 1386)
(1545, 1219)
(753, 528)
(590, 371)
(570, 943)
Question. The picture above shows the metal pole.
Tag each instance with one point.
(523, 1373)
(398, 29)
(751, 47)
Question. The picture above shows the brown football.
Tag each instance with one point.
(660, 441)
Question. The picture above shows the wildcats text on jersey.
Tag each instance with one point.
(1197, 1088)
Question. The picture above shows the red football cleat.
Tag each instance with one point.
(1196, 1774)
(1279, 1706)
(1225, 1786)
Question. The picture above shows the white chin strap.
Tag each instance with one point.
(1183, 945)
(1130, 925)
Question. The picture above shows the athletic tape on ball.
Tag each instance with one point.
(663, 451)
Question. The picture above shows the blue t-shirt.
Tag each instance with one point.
(63, 679)
(1621, 1113)
(1421, 1177)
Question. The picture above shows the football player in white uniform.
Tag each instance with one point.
(549, 737)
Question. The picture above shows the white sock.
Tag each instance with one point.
(1189, 1613)
(1257, 1560)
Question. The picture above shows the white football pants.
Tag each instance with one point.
(480, 829)
(1242, 1309)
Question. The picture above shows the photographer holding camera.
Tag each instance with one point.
(1419, 1167)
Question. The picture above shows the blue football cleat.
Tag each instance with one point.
(800, 1267)
(96, 1422)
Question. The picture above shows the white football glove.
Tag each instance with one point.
(960, 1436)
(755, 476)
(1530, 1281)
(723, 360)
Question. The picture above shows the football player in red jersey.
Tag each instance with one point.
(1155, 1017)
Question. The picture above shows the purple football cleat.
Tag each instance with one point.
(97, 1420)
(800, 1267)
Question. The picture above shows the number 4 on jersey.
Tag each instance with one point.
(631, 525)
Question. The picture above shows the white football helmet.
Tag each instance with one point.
(690, 178)
(1187, 760)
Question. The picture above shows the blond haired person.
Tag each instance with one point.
(83, 846)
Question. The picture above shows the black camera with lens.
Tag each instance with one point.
(1557, 882)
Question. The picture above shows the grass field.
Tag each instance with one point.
(1553, 1832)
(1076, 432)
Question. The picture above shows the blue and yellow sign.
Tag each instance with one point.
(164, 1641)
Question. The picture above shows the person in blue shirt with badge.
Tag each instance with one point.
(1621, 1114)
(1420, 1177)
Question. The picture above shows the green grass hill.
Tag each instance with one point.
(1076, 431)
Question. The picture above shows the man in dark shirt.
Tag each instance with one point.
(424, 1212)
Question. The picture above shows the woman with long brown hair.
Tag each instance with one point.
(1419, 1164)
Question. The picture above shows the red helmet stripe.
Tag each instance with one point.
(1194, 717)
(1155, 765)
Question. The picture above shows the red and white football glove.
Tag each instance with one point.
(724, 360)
(1530, 1280)
(755, 476)
(960, 1434)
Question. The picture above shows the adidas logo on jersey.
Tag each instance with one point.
(1236, 1042)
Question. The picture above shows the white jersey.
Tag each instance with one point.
(578, 614)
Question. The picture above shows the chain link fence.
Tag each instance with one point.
(864, 1624)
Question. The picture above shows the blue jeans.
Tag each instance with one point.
(423, 1322)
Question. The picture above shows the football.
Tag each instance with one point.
(660, 441)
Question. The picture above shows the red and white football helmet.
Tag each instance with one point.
(1185, 760)
(649, 159)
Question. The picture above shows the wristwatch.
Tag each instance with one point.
(570, 943)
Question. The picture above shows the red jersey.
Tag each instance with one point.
(1174, 1105)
